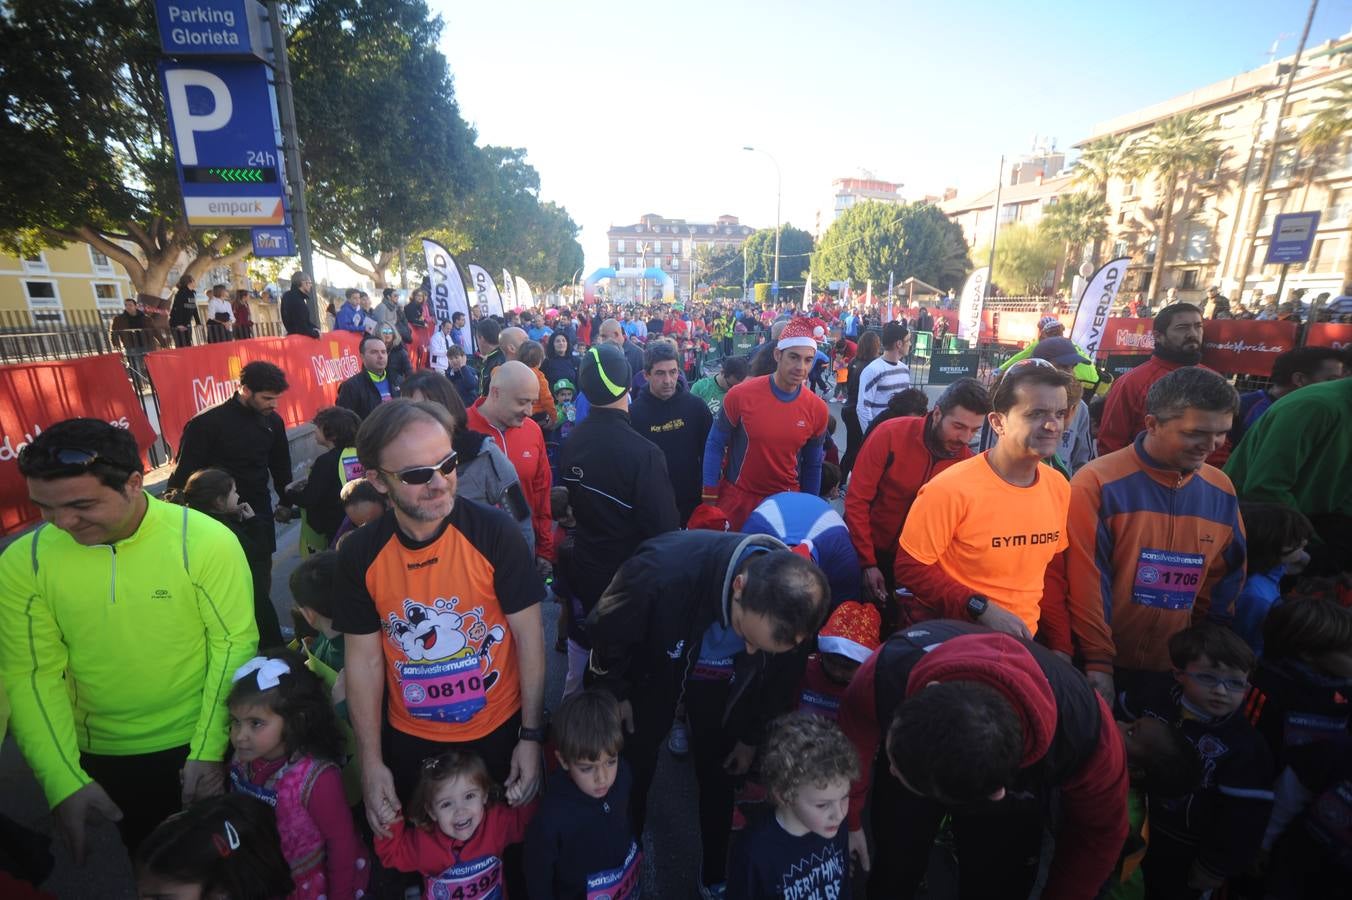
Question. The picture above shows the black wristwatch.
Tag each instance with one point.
(976, 606)
(530, 734)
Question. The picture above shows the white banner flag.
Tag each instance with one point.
(448, 290)
(509, 299)
(972, 298)
(523, 294)
(807, 294)
(1096, 303)
(489, 298)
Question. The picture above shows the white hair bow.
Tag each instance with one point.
(270, 671)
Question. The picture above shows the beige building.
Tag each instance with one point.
(1210, 239)
(670, 245)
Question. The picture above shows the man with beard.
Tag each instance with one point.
(1178, 342)
(1142, 568)
(898, 458)
(979, 537)
(440, 609)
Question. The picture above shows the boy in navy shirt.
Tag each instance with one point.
(1200, 839)
(801, 850)
(580, 843)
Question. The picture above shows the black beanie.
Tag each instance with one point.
(604, 374)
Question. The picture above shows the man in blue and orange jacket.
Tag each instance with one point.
(1156, 540)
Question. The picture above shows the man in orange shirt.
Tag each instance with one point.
(441, 612)
(978, 539)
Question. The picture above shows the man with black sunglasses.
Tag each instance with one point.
(121, 620)
(439, 603)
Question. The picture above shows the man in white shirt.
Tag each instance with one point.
(886, 375)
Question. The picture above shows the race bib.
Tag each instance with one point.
(1301, 729)
(449, 691)
(478, 879)
(819, 704)
(712, 669)
(617, 884)
(240, 785)
(1167, 580)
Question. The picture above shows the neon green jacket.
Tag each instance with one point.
(123, 649)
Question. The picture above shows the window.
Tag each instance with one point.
(1196, 241)
(1150, 246)
(1324, 258)
(1339, 209)
(1271, 209)
(676, 247)
(1285, 163)
(1119, 248)
(1189, 280)
(43, 301)
(619, 246)
(108, 295)
(36, 263)
(102, 265)
(1009, 212)
(1227, 118)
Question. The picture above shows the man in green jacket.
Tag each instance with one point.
(122, 619)
(1299, 453)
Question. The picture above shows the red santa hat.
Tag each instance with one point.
(800, 333)
(851, 631)
(709, 517)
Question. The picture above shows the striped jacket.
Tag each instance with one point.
(1151, 549)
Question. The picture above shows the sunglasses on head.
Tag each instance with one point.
(1030, 361)
(423, 474)
(74, 457)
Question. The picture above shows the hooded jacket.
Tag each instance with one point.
(1129, 517)
(485, 475)
(1071, 743)
(892, 465)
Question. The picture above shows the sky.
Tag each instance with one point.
(644, 106)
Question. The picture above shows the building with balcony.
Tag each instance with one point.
(1222, 219)
(847, 192)
(670, 245)
(44, 286)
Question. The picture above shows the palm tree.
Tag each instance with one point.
(1174, 149)
(1101, 160)
(1076, 220)
(1331, 124)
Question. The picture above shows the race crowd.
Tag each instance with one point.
(1069, 638)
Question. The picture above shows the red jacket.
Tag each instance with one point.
(438, 856)
(1124, 409)
(525, 447)
(892, 465)
(1071, 743)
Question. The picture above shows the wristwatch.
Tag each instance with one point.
(976, 606)
(531, 734)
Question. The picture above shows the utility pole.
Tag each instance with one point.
(286, 111)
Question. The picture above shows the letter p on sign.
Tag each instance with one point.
(187, 123)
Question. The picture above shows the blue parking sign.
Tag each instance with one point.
(273, 242)
(222, 117)
(1292, 237)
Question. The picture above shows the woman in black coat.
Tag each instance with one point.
(183, 313)
(559, 359)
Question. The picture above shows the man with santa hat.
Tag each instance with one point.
(770, 434)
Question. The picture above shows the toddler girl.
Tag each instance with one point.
(288, 748)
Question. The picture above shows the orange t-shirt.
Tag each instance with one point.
(990, 535)
(450, 658)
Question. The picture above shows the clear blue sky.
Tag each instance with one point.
(644, 106)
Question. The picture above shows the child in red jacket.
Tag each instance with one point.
(458, 830)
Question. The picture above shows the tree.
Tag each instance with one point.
(502, 223)
(1174, 149)
(1076, 220)
(85, 152)
(1100, 161)
(387, 155)
(1330, 127)
(872, 240)
(1024, 255)
(795, 252)
(719, 265)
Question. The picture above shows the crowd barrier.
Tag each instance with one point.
(181, 382)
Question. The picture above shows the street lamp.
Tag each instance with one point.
(779, 193)
(690, 248)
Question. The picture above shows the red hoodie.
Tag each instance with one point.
(525, 447)
(1124, 409)
(470, 868)
(1093, 796)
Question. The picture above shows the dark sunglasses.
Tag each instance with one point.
(66, 456)
(423, 474)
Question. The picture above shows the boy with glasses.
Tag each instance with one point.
(1200, 839)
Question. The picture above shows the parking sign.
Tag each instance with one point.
(1292, 237)
(223, 122)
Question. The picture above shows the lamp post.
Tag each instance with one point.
(690, 248)
(779, 194)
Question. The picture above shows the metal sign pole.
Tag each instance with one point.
(286, 111)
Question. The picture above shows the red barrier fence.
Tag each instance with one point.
(34, 396)
(187, 380)
(191, 379)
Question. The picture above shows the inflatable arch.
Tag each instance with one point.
(652, 272)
